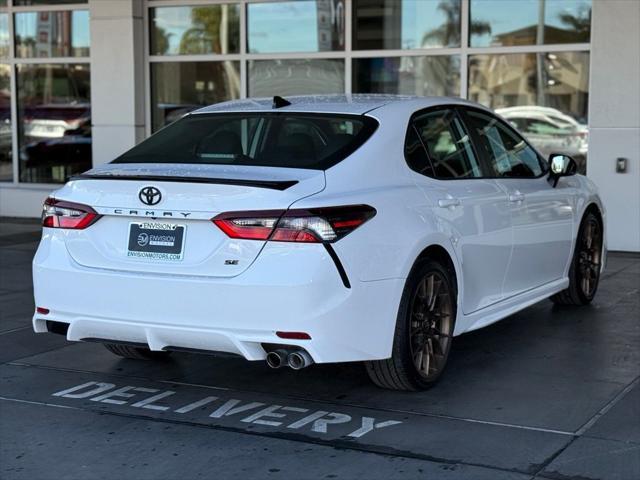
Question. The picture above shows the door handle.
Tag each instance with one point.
(516, 196)
(448, 202)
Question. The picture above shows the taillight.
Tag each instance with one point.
(315, 225)
(61, 214)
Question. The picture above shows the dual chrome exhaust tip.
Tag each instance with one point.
(295, 359)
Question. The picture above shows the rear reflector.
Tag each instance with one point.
(294, 335)
(42, 310)
(61, 214)
(316, 225)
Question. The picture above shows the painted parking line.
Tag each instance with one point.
(270, 415)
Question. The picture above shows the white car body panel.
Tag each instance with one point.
(506, 255)
(542, 228)
(206, 248)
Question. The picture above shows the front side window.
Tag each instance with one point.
(508, 154)
(447, 144)
(311, 141)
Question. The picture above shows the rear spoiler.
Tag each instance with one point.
(272, 184)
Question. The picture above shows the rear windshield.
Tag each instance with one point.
(293, 140)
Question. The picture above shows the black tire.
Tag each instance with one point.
(400, 372)
(135, 353)
(584, 273)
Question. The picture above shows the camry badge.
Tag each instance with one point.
(150, 196)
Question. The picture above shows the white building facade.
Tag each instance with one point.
(82, 81)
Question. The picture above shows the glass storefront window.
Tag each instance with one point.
(22, 3)
(295, 26)
(544, 95)
(5, 41)
(179, 87)
(6, 156)
(529, 22)
(436, 75)
(195, 30)
(52, 34)
(405, 24)
(295, 77)
(54, 121)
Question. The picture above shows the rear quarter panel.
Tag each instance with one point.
(387, 246)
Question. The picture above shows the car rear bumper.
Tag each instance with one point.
(290, 288)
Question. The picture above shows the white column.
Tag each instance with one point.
(117, 76)
(614, 117)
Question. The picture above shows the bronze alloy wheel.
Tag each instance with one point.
(586, 263)
(424, 329)
(431, 325)
(589, 257)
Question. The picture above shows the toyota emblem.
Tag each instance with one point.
(150, 196)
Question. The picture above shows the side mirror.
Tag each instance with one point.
(561, 165)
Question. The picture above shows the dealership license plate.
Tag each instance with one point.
(156, 240)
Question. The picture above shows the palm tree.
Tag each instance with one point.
(214, 30)
(160, 40)
(579, 24)
(448, 33)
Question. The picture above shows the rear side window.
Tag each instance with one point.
(509, 155)
(295, 140)
(447, 146)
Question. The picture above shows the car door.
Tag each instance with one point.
(541, 215)
(471, 209)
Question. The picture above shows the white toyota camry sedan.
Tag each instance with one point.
(317, 229)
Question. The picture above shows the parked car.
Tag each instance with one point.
(550, 130)
(55, 136)
(318, 229)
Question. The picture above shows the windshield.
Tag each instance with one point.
(291, 140)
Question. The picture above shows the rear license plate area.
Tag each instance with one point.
(156, 241)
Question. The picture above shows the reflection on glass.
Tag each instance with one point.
(296, 26)
(405, 24)
(179, 87)
(529, 22)
(5, 41)
(45, 2)
(6, 174)
(295, 77)
(52, 34)
(195, 30)
(543, 95)
(408, 75)
(54, 121)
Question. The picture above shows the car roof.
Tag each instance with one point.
(347, 104)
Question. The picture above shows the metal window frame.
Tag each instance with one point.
(13, 61)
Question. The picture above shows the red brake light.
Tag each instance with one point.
(294, 335)
(248, 225)
(61, 214)
(314, 225)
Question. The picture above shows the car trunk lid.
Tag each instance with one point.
(189, 197)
